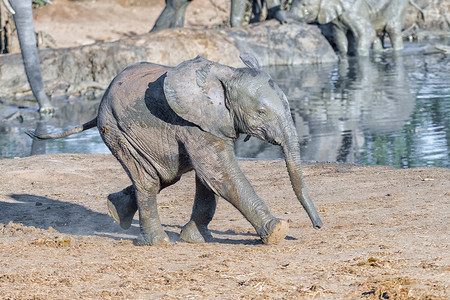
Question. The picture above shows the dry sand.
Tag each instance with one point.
(385, 234)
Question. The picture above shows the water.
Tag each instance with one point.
(383, 110)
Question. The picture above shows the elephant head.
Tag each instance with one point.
(321, 11)
(227, 101)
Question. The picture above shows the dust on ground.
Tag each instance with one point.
(385, 235)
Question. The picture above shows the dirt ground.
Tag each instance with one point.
(385, 236)
(80, 22)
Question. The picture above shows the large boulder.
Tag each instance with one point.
(74, 70)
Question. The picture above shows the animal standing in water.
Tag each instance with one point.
(356, 25)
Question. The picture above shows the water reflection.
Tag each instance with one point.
(37, 146)
(334, 106)
(387, 109)
(15, 143)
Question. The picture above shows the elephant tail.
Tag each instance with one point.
(88, 125)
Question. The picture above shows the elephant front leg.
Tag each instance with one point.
(223, 175)
(237, 13)
(364, 36)
(340, 39)
(152, 231)
(378, 44)
(395, 35)
(196, 230)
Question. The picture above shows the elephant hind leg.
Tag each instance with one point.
(196, 230)
(152, 231)
(395, 35)
(122, 206)
(146, 185)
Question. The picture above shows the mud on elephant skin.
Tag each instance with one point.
(356, 26)
(161, 122)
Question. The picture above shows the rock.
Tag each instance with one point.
(436, 15)
(97, 64)
(9, 113)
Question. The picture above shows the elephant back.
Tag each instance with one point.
(126, 99)
(132, 83)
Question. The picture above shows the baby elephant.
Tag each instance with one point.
(161, 122)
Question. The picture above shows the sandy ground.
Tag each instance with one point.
(386, 236)
(82, 22)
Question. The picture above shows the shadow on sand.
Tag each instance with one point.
(68, 218)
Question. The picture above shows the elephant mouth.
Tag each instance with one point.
(269, 139)
(273, 142)
(262, 134)
(264, 138)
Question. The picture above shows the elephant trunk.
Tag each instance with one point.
(291, 151)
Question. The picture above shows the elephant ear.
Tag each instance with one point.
(250, 60)
(195, 91)
(329, 10)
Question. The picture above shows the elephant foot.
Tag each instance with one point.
(122, 206)
(157, 238)
(274, 231)
(193, 233)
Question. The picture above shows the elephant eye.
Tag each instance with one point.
(262, 112)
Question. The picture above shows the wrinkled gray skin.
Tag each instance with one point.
(362, 22)
(238, 9)
(161, 122)
(172, 15)
(23, 18)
